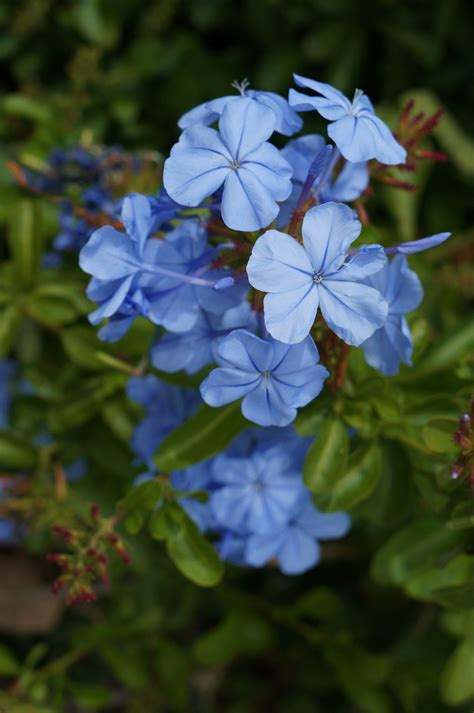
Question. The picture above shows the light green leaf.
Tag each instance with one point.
(24, 239)
(357, 483)
(457, 680)
(192, 554)
(327, 457)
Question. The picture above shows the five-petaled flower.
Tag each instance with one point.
(253, 172)
(273, 378)
(299, 279)
(356, 130)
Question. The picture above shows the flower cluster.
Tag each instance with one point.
(247, 255)
(256, 504)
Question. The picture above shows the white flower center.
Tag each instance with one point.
(234, 164)
(317, 278)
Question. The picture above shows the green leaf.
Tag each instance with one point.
(415, 548)
(457, 680)
(206, 433)
(89, 695)
(16, 453)
(80, 406)
(240, 633)
(357, 483)
(392, 498)
(438, 435)
(52, 311)
(456, 574)
(83, 347)
(9, 665)
(144, 496)
(24, 239)
(9, 323)
(454, 347)
(192, 554)
(327, 456)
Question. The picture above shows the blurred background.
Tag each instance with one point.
(121, 72)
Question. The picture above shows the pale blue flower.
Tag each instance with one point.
(115, 260)
(257, 493)
(300, 279)
(253, 173)
(403, 292)
(272, 378)
(355, 129)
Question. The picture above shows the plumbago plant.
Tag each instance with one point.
(256, 387)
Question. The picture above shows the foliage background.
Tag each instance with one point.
(122, 71)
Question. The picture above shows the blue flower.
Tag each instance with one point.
(115, 260)
(194, 349)
(287, 121)
(295, 545)
(403, 292)
(355, 129)
(166, 407)
(182, 284)
(347, 186)
(273, 378)
(299, 279)
(254, 174)
(256, 494)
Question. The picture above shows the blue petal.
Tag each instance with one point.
(204, 114)
(197, 166)
(244, 126)
(260, 549)
(109, 255)
(245, 351)
(300, 152)
(388, 345)
(387, 149)
(349, 184)
(287, 121)
(137, 218)
(328, 231)
(323, 526)
(290, 315)
(399, 285)
(352, 310)
(247, 203)
(368, 260)
(113, 303)
(278, 263)
(415, 246)
(298, 553)
(115, 329)
(265, 406)
(224, 385)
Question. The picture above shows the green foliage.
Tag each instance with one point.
(385, 624)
